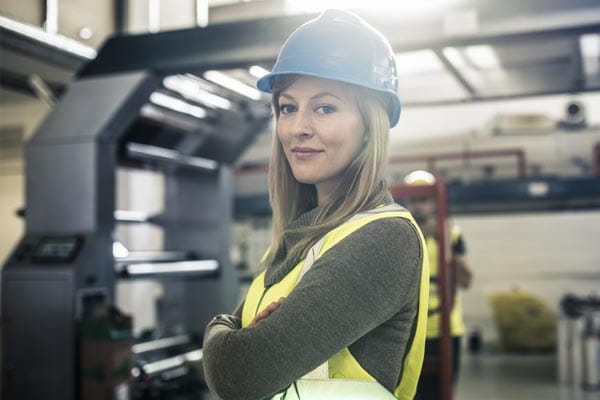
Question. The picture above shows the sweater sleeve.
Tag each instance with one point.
(351, 289)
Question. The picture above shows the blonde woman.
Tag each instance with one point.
(339, 310)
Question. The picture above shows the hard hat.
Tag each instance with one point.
(340, 46)
(419, 177)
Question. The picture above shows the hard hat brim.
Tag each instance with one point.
(267, 83)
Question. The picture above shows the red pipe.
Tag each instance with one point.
(431, 159)
(443, 365)
(596, 158)
(444, 276)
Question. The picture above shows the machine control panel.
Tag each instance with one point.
(59, 249)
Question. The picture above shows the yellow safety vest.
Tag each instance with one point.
(457, 325)
(343, 365)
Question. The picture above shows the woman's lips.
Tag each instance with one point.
(305, 154)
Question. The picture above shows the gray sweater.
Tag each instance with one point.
(361, 294)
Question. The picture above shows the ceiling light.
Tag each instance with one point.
(164, 100)
(257, 71)
(191, 89)
(55, 40)
(418, 62)
(404, 8)
(590, 53)
(482, 57)
(232, 84)
(455, 57)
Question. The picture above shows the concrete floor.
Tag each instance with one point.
(514, 377)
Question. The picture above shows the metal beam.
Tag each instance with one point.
(250, 42)
(456, 74)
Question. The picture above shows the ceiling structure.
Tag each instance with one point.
(457, 51)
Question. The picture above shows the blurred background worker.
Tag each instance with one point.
(424, 212)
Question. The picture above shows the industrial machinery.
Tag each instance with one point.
(149, 116)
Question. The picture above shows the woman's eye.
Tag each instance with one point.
(325, 109)
(286, 108)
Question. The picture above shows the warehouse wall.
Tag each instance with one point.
(548, 254)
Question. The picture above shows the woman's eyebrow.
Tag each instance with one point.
(287, 96)
(316, 96)
(325, 94)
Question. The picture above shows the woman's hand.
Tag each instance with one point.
(266, 312)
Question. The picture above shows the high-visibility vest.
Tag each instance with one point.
(457, 325)
(343, 365)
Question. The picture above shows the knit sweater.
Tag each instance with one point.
(361, 294)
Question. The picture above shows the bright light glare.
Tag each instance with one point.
(257, 71)
(590, 51)
(455, 57)
(191, 89)
(232, 84)
(418, 62)
(479, 57)
(176, 267)
(482, 57)
(119, 250)
(163, 100)
(57, 41)
(401, 6)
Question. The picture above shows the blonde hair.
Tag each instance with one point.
(362, 186)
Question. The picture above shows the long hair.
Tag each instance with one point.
(362, 186)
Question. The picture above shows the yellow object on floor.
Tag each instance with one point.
(524, 320)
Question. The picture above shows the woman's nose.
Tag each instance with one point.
(303, 124)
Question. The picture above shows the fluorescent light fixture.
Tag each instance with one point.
(51, 16)
(590, 52)
(172, 103)
(156, 256)
(144, 150)
(162, 365)
(418, 62)
(257, 71)
(119, 250)
(160, 344)
(482, 57)
(176, 267)
(172, 362)
(195, 355)
(54, 40)
(153, 15)
(404, 8)
(202, 13)
(232, 84)
(455, 57)
(479, 57)
(130, 216)
(590, 45)
(191, 89)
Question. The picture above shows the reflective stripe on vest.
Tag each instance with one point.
(343, 365)
(457, 325)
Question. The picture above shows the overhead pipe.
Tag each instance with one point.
(432, 159)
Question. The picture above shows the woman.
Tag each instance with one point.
(343, 291)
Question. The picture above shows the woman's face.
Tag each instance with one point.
(320, 129)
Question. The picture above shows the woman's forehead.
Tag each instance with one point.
(308, 86)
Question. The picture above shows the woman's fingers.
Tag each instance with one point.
(266, 312)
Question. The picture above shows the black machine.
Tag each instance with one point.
(116, 115)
